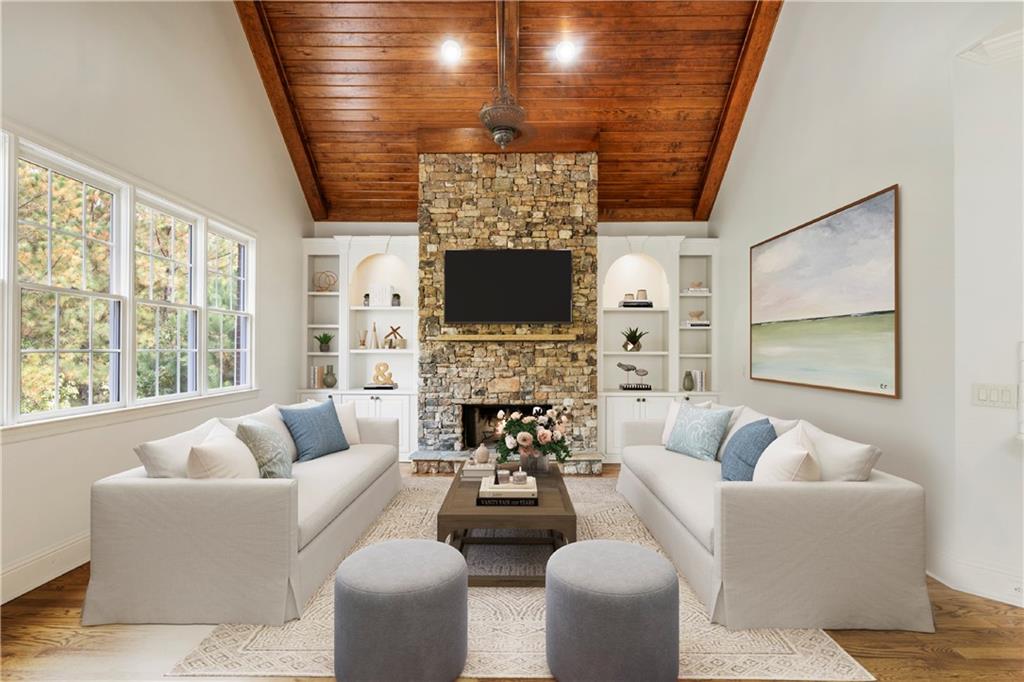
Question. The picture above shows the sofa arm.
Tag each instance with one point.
(831, 554)
(174, 550)
(383, 431)
(642, 433)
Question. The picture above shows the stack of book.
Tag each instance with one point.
(698, 323)
(636, 304)
(699, 379)
(507, 494)
(473, 470)
(316, 376)
(699, 290)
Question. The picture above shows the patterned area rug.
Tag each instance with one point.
(506, 625)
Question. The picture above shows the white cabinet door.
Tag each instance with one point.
(396, 407)
(618, 409)
(655, 408)
(366, 406)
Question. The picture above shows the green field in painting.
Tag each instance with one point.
(852, 352)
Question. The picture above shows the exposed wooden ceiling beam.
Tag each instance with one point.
(511, 10)
(261, 42)
(759, 35)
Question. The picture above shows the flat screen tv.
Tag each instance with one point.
(507, 286)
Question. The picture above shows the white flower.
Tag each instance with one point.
(529, 420)
(556, 436)
(543, 421)
(516, 416)
(552, 414)
(510, 442)
(501, 414)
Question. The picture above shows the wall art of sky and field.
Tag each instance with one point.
(823, 301)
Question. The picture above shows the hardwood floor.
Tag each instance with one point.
(41, 638)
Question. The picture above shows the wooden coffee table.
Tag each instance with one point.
(553, 514)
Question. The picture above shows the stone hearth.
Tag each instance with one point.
(507, 201)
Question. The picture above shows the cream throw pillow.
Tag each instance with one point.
(790, 457)
(841, 459)
(673, 413)
(349, 424)
(222, 456)
(744, 415)
(168, 457)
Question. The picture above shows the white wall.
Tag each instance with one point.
(168, 93)
(854, 97)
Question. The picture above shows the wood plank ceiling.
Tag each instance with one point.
(665, 83)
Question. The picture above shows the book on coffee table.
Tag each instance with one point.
(474, 470)
(493, 494)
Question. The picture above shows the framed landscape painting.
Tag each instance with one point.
(824, 300)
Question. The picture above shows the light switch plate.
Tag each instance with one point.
(994, 395)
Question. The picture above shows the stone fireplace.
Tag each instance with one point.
(507, 201)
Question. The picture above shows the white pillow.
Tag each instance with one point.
(222, 456)
(841, 459)
(790, 457)
(673, 413)
(270, 416)
(744, 415)
(168, 457)
(349, 423)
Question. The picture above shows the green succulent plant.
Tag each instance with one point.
(324, 338)
(633, 335)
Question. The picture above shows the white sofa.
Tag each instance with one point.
(179, 550)
(829, 554)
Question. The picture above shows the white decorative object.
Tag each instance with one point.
(222, 456)
(482, 455)
(380, 295)
(789, 458)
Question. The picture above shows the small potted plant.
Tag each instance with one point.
(325, 341)
(633, 336)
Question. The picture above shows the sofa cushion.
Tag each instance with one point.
(747, 415)
(740, 456)
(349, 422)
(168, 457)
(221, 456)
(686, 486)
(673, 412)
(329, 484)
(268, 447)
(841, 459)
(789, 458)
(698, 433)
(315, 430)
(271, 417)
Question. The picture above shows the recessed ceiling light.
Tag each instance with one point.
(451, 51)
(566, 51)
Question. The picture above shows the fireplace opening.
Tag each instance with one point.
(481, 424)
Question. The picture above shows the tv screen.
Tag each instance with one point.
(507, 286)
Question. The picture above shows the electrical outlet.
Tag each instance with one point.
(994, 395)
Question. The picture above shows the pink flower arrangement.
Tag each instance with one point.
(540, 434)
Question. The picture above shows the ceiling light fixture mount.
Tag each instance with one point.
(503, 117)
(451, 51)
(566, 51)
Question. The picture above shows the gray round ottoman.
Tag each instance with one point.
(401, 613)
(612, 613)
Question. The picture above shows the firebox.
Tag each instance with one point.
(480, 423)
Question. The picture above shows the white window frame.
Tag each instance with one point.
(126, 190)
(248, 309)
(198, 223)
(33, 153)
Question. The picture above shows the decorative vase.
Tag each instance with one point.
(325, 348)
(695, 314)
(688, 381)
(396, 300)
(330, 381)
(482, 455)
(631, 347)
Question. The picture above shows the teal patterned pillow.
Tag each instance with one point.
(698, 433)
(268, 447)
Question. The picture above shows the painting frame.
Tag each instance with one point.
(896, 392)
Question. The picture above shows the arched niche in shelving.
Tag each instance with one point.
(382, 269)
(631, 272)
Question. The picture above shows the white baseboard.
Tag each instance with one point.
(44, 566)
(983, 580)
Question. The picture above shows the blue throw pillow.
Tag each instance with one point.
(698, 432)
(315, 430)
(745, 448)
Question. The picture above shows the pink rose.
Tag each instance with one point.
(529, 420)
(525, 439)
(552, 414)
(544, 436)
